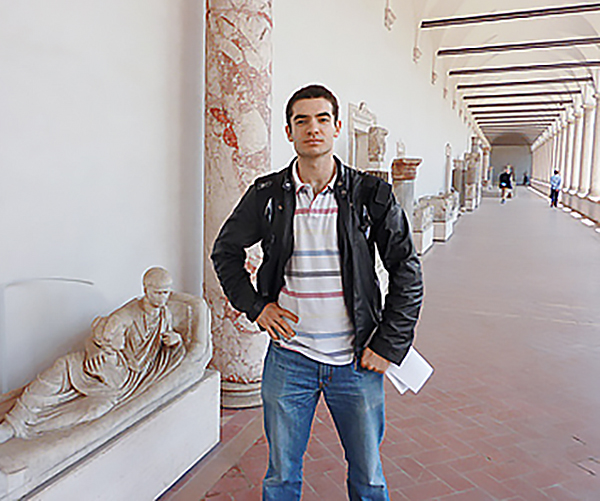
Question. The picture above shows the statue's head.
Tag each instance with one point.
(157, 286)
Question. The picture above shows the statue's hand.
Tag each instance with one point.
(171, 338)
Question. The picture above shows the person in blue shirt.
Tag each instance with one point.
(555, 182)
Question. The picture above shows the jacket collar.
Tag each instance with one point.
(341, 182)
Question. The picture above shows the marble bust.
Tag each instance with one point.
(127, 351)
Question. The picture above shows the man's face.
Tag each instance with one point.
(313, 128)
(158, 295)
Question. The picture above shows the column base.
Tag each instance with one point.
(240, 395)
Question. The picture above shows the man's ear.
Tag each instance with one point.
(288, 133)
(338, 128)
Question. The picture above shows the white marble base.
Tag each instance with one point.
(423, 240)
(442, 230)
(470, 204)
(586, 207)
(144, 460)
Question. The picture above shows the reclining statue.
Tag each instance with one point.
(127, 351)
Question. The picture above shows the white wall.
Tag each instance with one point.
(345, 46)
(100, 134)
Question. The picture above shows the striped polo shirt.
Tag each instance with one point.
(313, 279)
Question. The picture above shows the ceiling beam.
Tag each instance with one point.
(554, 111)
(509, 15)
(523, 103)
(522, 94)
(512, 121)
(512, 47)
(526, 130)
(512, 83)
(505, 117)
(503, 121)
(526, 67)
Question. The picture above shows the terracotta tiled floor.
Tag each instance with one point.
(511, 323)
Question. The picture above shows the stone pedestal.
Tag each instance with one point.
(381, 174)
(445, 213)
(175, 437)
(404, 173)
(458, 180)
(423, 225)
(442, 230)
(472, 178)
(485, 167)
(237, 140)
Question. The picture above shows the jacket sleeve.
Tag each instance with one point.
(241, 230)
(395, 333)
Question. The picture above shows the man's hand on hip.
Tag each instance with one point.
(374, 362)
(272, 318)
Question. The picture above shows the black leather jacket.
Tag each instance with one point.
(368, 216)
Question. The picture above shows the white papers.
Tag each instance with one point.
(412, 373)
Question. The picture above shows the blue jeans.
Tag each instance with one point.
(291, 387)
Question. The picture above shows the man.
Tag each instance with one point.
(318, 297)
(131, 348)
(505, 183)
(555, 182)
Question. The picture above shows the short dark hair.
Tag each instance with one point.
(312, 91)
(556, 172)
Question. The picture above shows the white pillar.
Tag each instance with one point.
(585, 182)
(536, 153)
(448, 169)
(576, 156)
(587, 146)
(548, 149)
(486, 165)
(551, 154)
(555, 150)
(568, 158)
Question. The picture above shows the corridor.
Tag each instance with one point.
(511, 323)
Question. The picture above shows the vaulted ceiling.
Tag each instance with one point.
(512, 67)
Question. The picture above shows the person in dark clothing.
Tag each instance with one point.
(505, 183)
(319, 223)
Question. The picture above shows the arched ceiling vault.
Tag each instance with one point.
(513, 66)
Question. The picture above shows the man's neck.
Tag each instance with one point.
(317, 172)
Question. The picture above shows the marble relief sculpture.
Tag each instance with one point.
(127, 352)
(376, 143)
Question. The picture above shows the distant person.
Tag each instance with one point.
(555, 182)
(525, 179)
(505, 183)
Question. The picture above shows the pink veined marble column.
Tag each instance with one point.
(237, 150)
